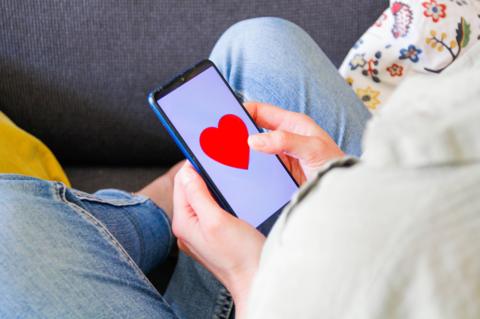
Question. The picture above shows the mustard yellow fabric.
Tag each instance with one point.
(21, 153)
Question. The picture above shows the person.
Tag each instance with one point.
(394, 235)
(64, 253)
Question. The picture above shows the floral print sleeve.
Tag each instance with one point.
(411, 36)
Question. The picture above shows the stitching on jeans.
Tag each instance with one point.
(114, 202)
(102, 229)
(138, 199)
(55, 189)
(141, 237)
(224, 305)
(164, 216)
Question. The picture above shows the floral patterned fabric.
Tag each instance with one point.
(411, 36)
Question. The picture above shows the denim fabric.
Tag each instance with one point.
(68, 254)
(139, 225)
(59, 260)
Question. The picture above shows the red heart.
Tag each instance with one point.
(227, 144)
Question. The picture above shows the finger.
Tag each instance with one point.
(310, 149)
(275, 118)
(267, 115)
(183, 215)
(179, 196)
(196, 192)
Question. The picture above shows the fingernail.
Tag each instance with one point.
(256, 141)
(186, 176)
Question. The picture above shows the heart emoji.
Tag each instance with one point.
(227, 143)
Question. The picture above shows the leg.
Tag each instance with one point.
(59, 261)
(274, 61)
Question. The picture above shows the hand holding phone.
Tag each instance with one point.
(211, 127)
(303, 146)
(227, 246)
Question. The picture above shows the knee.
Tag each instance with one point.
(26, 208)
(17, 215)
(260, 27)
(260, 34)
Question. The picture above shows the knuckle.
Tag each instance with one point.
(315, 150)
(307, 122)
(318, 142)
(213, 225)
(280, 138)
(192, 186)
(176, 179)
(304, 118)
(177, 230)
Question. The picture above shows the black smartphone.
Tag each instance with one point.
(211, 127)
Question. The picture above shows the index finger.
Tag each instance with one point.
(275, 118)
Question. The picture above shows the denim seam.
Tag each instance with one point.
(168, 222)
(141, 237)
(114, 202)
(102, 229)
(16, 177)
(224, 305)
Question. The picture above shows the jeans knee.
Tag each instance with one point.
(259, 32)
(26, 205)
(17, 213)
(261, 26)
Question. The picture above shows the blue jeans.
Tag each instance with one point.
(68, 254)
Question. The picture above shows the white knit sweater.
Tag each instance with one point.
(398, 234)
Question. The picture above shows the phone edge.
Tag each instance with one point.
(187, 153)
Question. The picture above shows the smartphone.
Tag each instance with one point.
(211, 127)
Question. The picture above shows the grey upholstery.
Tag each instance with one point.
(76, 73)
(92, 178)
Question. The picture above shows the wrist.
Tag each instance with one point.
(239, 288)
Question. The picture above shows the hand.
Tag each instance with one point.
(227, 246)
(302, 145)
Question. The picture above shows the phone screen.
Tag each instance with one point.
(215, 127)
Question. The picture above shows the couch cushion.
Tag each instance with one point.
(23, 154)
(92, 178)
(76, 74)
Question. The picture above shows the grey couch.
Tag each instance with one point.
(76, 73)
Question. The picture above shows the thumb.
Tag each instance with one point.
(196, 192)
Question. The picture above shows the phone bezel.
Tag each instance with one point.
(175, 83)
